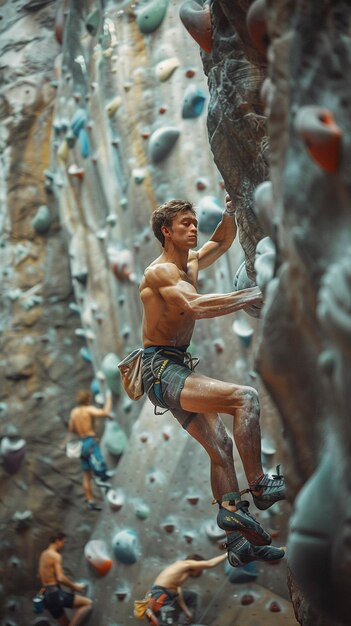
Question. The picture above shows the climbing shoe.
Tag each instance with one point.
(101, 482)
(92, 506)
(272, 490)
(241, 552)
(242, 521)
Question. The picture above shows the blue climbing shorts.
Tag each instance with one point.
(56, 600)
(91, 457)
(165, 370)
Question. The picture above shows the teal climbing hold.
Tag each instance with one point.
(109, 367)
(126, 546)
(115, 439)
(85, 354)
(41, 221)
(150, 15)
(241, 575)
(193, 102)
(84, 143)
(92, 23)
(78, 121)
(209, 213)
(142, 510)
(161, 143)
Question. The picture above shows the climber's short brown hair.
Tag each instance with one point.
(84, 397)
(164, 214)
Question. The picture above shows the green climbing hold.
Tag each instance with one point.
(111, 371)
(115, 439)
(150, 15)
(93, 22)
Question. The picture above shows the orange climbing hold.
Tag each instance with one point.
(322, 137)
(96, 554)
(257, 25)
(197, 20)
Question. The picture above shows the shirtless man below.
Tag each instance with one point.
(52, 577)
(167, 588)
(171, 307)
(81, 422)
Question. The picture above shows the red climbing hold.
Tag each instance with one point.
(322, 137)
(257, 25)
(197, 20)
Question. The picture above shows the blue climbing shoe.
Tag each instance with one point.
(272, 489)
(241, 552)
(242, 521)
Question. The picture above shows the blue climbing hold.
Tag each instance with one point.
(126, 546)
(78, 121)
(193, 102)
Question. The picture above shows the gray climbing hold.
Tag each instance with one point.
(209, 214)
(115, 439)
(111, 371)
(41, 221)
(142, 510)
(161, 143)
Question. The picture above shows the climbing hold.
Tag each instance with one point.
(209, 213)
(275, 607)
(161, 143)
(95, 551)
(62, 151)
(42, 220)
(196, 18)
(113, 106)
(242, 281)
(22, 520)
(126, 546)
(241, 575)
(70, 139)
(257, 25)
(189, 536)
(219, 345)
(111, 371)
(193, 102)
(78, 121)
(322, 137)
(60, 20)
(243, 330)
(121, 593)
(193, 499)
(264, 206)
(121, 263)
(116, 499)
(213, 532)
(92, 23)
(77, 172)
(111, 219)
(165, 69)
(85, 354)
(201, 184)
(138, 174)
(115, 439)
(84, 143)
(247, 599)
(142, 510)
(12, 449)
(169, 524)
(150, 15)
(265, 263)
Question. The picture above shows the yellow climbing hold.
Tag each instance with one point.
(112, 107)
(165, 69)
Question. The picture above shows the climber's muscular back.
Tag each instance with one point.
(165, 291)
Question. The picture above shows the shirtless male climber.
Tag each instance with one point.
(52, 577)
(167, 587)
(81, 422)
(171, 306)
